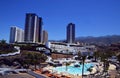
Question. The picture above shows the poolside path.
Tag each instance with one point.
(35, 74)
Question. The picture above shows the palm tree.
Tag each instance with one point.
(67, 52)
(97, 54)
(83, 61)
(67, 64)
(104, 58)
(79, 55)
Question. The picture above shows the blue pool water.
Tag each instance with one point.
(74, 70)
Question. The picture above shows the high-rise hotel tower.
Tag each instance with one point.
(33, 28)
(71, 33)
(16, 34)
(45, 36)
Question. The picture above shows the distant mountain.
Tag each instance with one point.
(100, 40)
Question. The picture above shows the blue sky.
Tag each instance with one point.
(91, 17)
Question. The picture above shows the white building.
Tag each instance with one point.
(16, 34)
(71, 48)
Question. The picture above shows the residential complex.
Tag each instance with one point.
(33, 28)
(16, 34)
(71, 33)
(68, 59)
(71, 48)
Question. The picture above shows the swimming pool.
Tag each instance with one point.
(74, 70)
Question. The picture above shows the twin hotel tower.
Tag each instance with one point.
(33, 32)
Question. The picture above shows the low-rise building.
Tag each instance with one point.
(61, 47)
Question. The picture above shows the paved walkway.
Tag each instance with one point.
(35, 75)
(21, 75)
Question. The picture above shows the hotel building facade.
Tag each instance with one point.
(33, 28)
(71, 33)
(16, 34)
(45, 37)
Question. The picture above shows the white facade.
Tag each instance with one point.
(70, 48)
(16, 34)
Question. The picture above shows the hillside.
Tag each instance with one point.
(100, 40)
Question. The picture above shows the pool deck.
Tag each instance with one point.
(114, 74)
